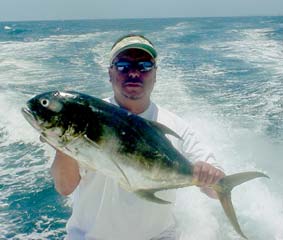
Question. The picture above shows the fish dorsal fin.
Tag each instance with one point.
(165, 129)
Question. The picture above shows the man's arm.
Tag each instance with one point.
(66, 174)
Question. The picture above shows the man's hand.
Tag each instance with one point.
(206, 174)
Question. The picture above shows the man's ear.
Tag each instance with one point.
(110, 74)
(155, 74)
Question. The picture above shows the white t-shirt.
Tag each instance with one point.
(104, 211)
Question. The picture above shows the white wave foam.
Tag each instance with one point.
(256, 203)
(196, 215)
(12, 119)
(237, 149)
(7, 28)
(257, 48)
(40, 62)
(24, 167)
(261, 99)
(180, 27)
(19, 63)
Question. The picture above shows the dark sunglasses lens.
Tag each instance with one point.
(145, 66)
(123, 66)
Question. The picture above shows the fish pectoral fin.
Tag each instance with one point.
(89, 141)
(122, 172)
(165, 129)
(148, 194)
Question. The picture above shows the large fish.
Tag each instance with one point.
(123, 146)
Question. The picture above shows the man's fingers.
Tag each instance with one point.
(218, 175)
(210, 177)
(206, 174)
(197, 170)
(200, 172)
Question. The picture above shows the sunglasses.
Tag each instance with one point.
(125, 67)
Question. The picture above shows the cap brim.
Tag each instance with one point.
(142, 46)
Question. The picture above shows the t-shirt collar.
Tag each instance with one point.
(147, 114)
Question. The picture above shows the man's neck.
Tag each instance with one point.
(135, 106)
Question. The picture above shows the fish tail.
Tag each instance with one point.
(223, 190)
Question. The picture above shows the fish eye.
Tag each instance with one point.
(44, 102)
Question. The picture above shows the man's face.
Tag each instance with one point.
(128, 77)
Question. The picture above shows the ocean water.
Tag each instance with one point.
(223, 75)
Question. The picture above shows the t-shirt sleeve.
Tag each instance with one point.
(194, 150)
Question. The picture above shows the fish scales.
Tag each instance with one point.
(125, 147)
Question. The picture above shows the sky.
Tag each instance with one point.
(19, 10)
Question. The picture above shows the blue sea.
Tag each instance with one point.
(222, 75)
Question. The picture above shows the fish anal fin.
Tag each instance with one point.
(149, 195)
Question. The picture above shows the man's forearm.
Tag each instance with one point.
(66, 174)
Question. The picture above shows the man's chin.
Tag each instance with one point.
(133, 96)
(133, 92)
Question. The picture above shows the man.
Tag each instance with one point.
(101, 209)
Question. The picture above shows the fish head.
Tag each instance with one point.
(58, 116)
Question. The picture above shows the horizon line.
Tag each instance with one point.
(130, 18)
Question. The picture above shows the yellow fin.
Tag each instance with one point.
(223, 190)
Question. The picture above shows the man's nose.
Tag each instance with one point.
(134, 73)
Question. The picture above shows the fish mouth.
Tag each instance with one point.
(30, 117)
